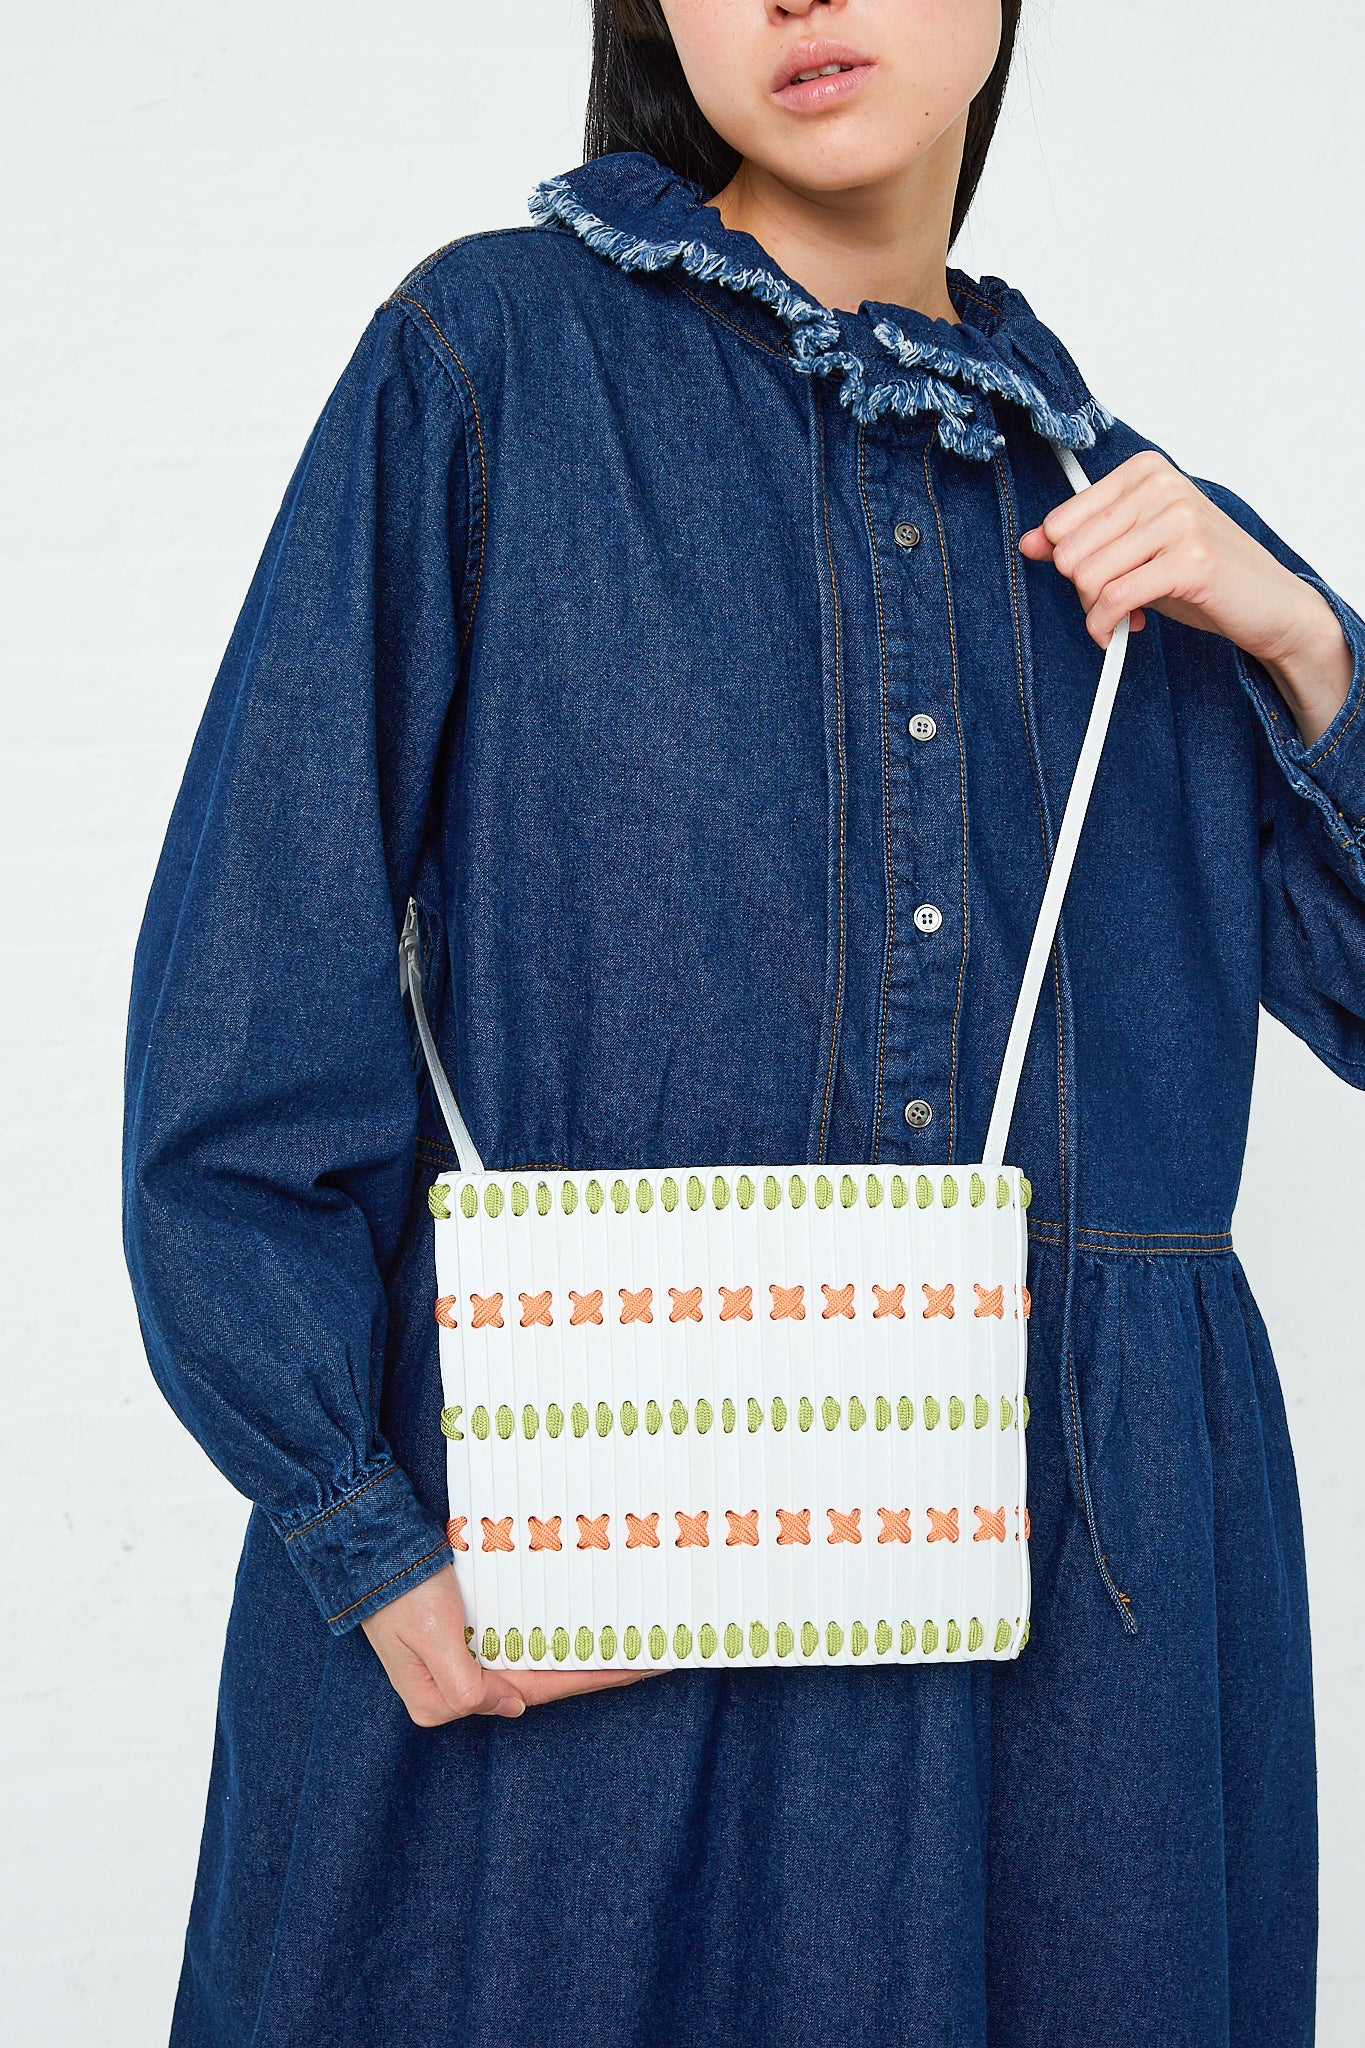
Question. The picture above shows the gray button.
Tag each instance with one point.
(918, 1114)
(922, 726)
(928, 917)
(907, 536)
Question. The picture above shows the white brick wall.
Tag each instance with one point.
(203, 204)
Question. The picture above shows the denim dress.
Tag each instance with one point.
(665, 635)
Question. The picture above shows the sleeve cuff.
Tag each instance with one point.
(1331, 773)
(366, 1549)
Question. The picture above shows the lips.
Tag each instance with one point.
(819, 69)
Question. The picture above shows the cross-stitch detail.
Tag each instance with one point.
(587, 1307)
(635, 1306)
(788, 1301)
(455, 1532)
(437, 1203)
(686, 1304)
(692, 1530)
(450, 1424)
(938, 1301)
(445, 1311)
(890, 1301)
(545, 1535)
(990, 1301)
(793, 1525)
(942, 1525)
(486, 1311)
(838, 1301)
(895, 1526)
(592, 1532)
(497, 1533)
(535, 1310)
(743, 1526)
(642, 1530)
(737, 1304)
(844, 1528)
(990, 1525)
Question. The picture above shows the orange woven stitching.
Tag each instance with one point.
(743, 1527)
(788, 1301)
(587, 1308)
(497, 1535)
(635, 1308)
(592, 1532)
(940, 1300)
(642, 1529)
(895, 1525)
(890, 1301)
(487, 1311)
(943, 1525)
(535, 1308)
(545, 1535)
(990, 1301)
(686, 1305)
(991, 1525)
(445, 1312)
(843, 1528)
(838, 1300)
(455, 1532)
(737, 1304)
(795, 1525)
(692, 1530)
(1028, 1525)
(1027, 1300)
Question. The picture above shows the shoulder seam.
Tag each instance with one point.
(402, 298)
(457, 242)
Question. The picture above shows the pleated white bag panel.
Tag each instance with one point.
(736, 1415)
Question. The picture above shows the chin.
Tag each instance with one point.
(838, 164)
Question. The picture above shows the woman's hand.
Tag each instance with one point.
(419, 1640)
(1146, 537)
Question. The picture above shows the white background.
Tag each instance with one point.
(203, 202)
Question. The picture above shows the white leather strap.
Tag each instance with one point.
(1044, 932)
(410, 982)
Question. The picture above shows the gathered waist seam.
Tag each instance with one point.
(1147, 1244)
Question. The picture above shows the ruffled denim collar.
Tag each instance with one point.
(890, 359)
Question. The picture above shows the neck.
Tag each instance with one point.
(886, 241)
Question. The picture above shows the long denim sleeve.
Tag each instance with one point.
(1312, 843)
(271, 1098)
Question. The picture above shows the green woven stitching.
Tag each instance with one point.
(1025, 1191)
(744, 1192)
(924, 1190)
(469, 1201)
(734, 1639)
(810, 1638)
(829, 1410)
(929, 1637)
(658, 1642)
(949, 1191)
(512, 1646)
(755, 1415)
(535, 1643)
(727, 1415)
(521, 1200)
(554, 1419)
(952, 1638)
(630, 1418)
(489, 1645)
(707, 1640)
(981, 1411)
(620, 1197)
(784, 1639)
(857, 1638)
(857, 1414)
(705, 1415)
(668, 1193)
(1002, 1192)
(682, 1640)
(696, 1193)
(907, 1637)
(805, 1413)
(478, 1422)
(881, 1412)
(506, 1422)
(1002, 1635)
(881, 1636)
(1006, 1412)
(1027, 1411)
(874, 1192)
(900, 1193)
(594, 1197)
(544, 1198)
(677, 1416)
(779, 1412)
(905, 1411)
(772, 1191)
(824, 1191)
(644, 1196)
(976, 1190)
(450, 1424)
(492, 1199)
(559, 1644)
(632, 1642)
(568, 1197)
(605, 1418)
(932, 1411)
(607, 1643)
(834, 1639)
(848, 1193)
(758, 1639)
(530, 1422)
(436, 1200)
(957, 1414)
(976, 1635)
(578, 1419)
(720, 1191)
(796, 1191)
(583, 1645)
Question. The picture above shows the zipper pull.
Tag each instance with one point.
(409, 950)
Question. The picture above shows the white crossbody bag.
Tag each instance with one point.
(739, 1415)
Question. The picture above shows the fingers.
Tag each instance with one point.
(539, 1688)
(419, 1639)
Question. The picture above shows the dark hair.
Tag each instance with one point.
(638, 98)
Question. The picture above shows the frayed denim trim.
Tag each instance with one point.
(816, 340)
(1074, 430)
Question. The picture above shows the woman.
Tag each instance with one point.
(675, 598)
